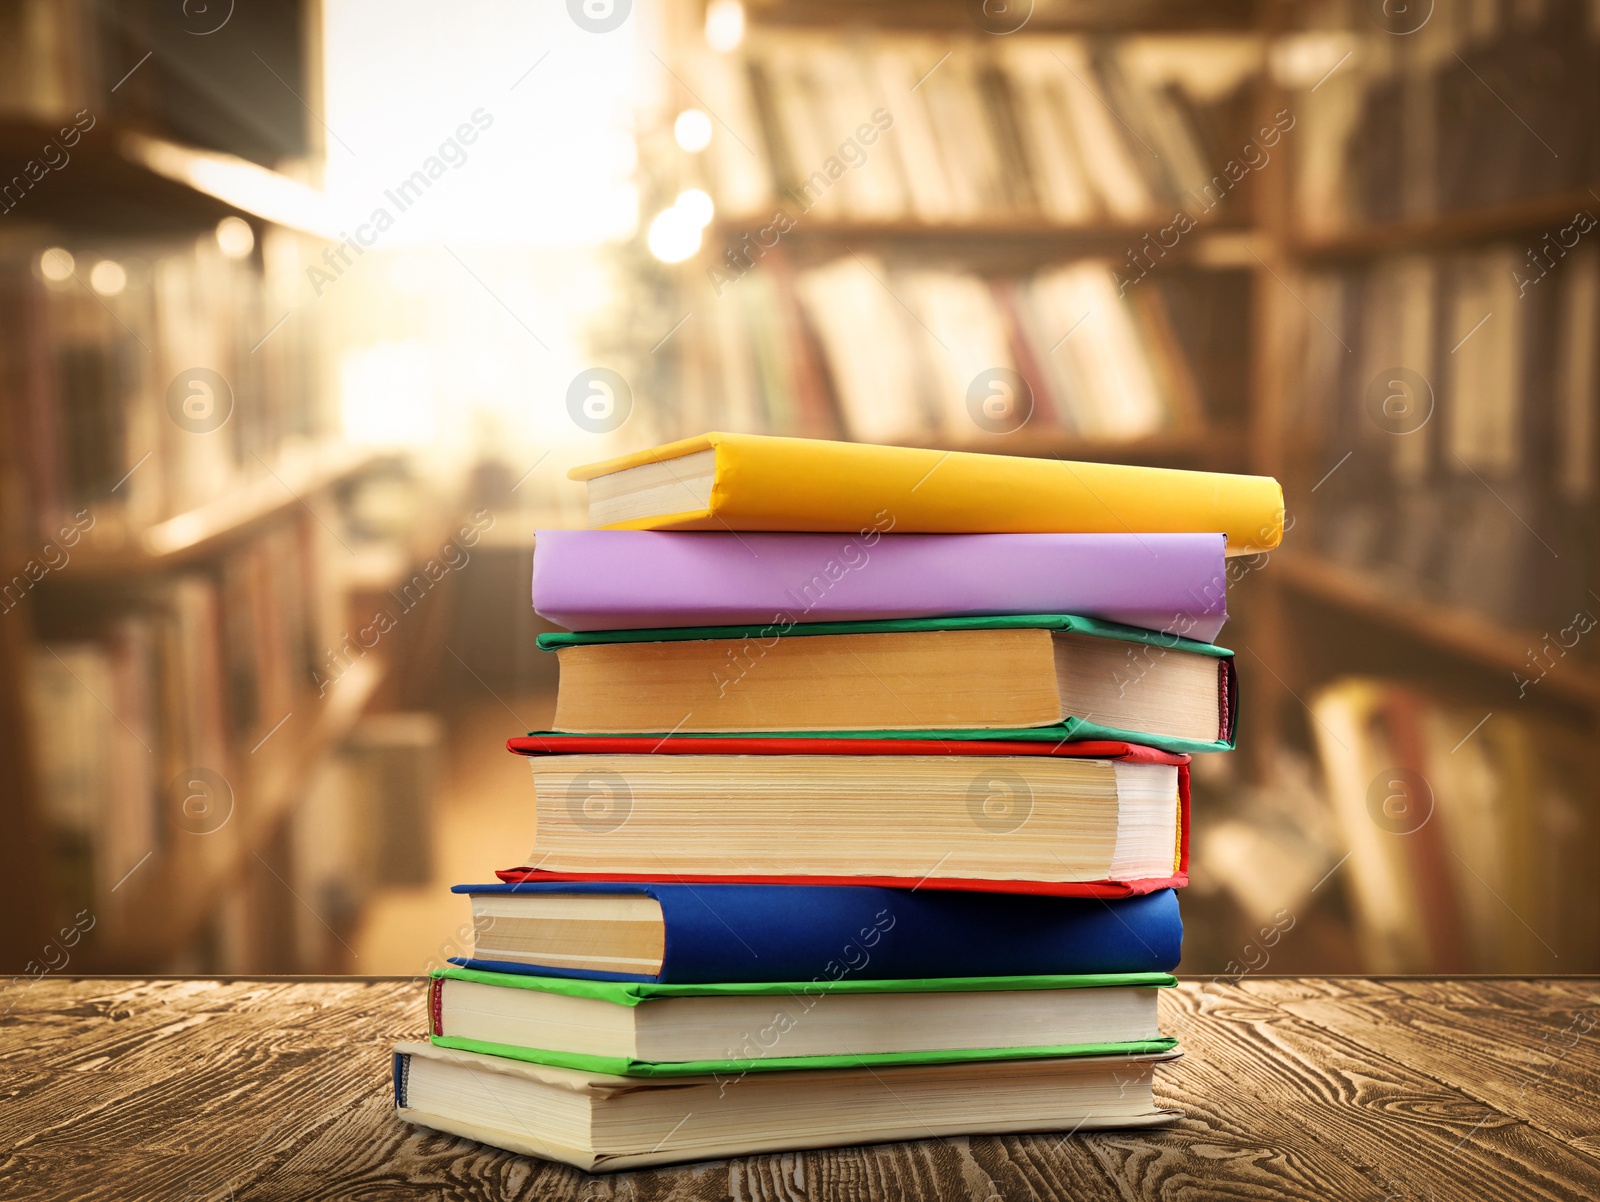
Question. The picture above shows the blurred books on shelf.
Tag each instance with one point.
(887, 353)
(1474, 108)
(150, 376)
(946, 131)
(217, 76)
(1468, 833)
(1450, 424)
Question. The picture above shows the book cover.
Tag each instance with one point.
(756, 932)
(590, 580)
(767, 483)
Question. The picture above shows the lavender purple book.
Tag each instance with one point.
(644, 579)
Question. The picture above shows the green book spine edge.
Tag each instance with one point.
(1073, 730)
(555, 640)
(623, 1066)
(633, 993)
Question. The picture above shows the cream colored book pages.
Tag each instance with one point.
(1377, 875)
(738, 151)
(863, 334)
(1104, 143)
(1483, 342)
(920, 815)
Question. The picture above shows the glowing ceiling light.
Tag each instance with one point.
(56, 265)
(108, 278)
(724, 25)
(692, 130)
(235, 238)
(673, 236)
(696, 206)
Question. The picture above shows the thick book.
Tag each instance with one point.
(755, 482)
(639, 579)
(1059, 677)
(667, 932)
(602, 1122)
(638, 1030)
(1075, 819)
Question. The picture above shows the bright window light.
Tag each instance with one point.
(696, 206)
(386, 395)
(108, 278)
(692, 130)
(724, 25)
(673, 236)
(235, 237)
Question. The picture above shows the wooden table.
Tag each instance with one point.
(1316, 1088)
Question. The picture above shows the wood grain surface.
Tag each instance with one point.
(1293, 1087)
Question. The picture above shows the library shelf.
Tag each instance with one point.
(1469, 636)
(281, 489)
(119, 179)
(1544, 214)
(173, 898)
(1206, 242)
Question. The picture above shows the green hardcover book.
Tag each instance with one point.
(639, 1029)
(1047, 677)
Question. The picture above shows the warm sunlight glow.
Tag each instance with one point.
(488, 122)
(386, 394)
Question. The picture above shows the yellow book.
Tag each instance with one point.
(755, 482)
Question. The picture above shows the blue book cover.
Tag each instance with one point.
(721, 933)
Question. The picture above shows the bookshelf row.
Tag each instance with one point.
(958, 133)
(180, 560)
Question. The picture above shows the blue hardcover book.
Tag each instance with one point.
(721, 933)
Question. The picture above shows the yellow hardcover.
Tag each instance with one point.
(802, 484)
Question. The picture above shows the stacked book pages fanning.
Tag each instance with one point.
(864, 812)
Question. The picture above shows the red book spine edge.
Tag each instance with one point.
(436, 1005)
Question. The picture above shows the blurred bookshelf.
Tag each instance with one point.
(1431, 398)
(1350, 196)
(179, 523)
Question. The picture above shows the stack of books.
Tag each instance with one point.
(864, 809)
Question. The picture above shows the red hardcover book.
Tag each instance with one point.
(551, 744)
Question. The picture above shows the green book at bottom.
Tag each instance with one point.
(635, 1029)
